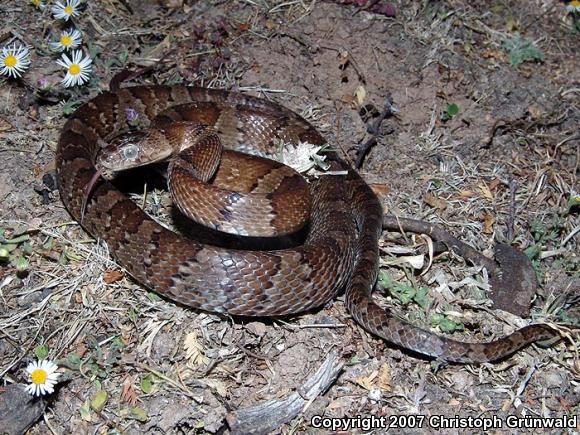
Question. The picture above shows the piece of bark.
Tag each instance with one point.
(18, 409)
(513, 288)
(272, 414)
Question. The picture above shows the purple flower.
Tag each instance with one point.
(43, 83)
(132, 116)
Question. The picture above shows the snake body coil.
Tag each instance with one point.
(340, 250)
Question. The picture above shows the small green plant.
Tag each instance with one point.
(573, 203)
(542, 235)
(99, 362)
(521, 50)
(445, 324)
(68, 107)
(407, 294)
(436, 182)
(147, 383)
(404, 292)
(41, 352)
(15, 248)
(451, 110)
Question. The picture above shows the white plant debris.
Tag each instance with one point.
(304, 157)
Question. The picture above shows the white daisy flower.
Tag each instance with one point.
(67, 10)
(14, 60)
(39, 4)
(68, 40)
(43, 377)
(77, 68)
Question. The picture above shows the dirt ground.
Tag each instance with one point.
(501, 168)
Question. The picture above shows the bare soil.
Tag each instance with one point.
(168, 369)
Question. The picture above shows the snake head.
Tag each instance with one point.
(124, 152)
(131, 150)
(127, 151)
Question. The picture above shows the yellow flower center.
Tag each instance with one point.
(68, 10)
(38, 376)
(10, 61)
(65, 40)
(74, 69)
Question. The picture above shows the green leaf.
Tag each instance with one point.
(139, 414)
(437, 183)
(452, 109)
(147, 383)
(533, 251)
(133, 314)
(73, 359)
(85, 411)
(99, 400)
(404, 293)
(41, 352)
(8, 247)
(71, 255)
(445, 324)
(421, 297)
(70, 106)
(384, 280)
(27, 248)
(153, 297)
(521, 50)
(19, 239)
(21, 264)
(48, 245)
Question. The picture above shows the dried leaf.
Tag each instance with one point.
(380, 189)
(466, 194)
(112, 276)
(367, 382)
(128, 393)
(5, 125)
(194, 350)
(217, 385)
(256, 328)
(416, 261)
(488, 221)
(535, 112)
(435, 201)
(485, 191)
(360, 95)
(494, 184)
(385, 378)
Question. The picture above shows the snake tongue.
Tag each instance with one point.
(88, 189)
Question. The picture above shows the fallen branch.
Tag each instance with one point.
(374, 131)
(272, 414)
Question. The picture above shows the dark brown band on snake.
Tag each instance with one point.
(340, 250)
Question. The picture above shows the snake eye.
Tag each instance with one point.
(130, 152)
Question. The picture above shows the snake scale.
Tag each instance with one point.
(339, 252)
